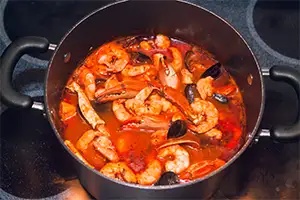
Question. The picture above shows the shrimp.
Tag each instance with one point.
(76, 152)
(181, 158)
(151, 174)
(157, 100)
(162, 41)
(113, 56)
(166, 106)
(158, 137)
(214, 133)
(205, 88)
(136, 104)
(144, 93)
(87, 78)
(99, 70)
(66, 110)
(130, 70)
(177, 61)
(166, 72)
(207, 116)
(120, 111)
(86, 108)
(154, 106)
(145, 45)
(104, 145)
(119, 171)
(187, 76)
(83, 142)
(203, 114)
(140, 109)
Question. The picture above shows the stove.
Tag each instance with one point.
(35, 166)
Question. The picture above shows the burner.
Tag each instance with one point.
(275, 26)
(49, 19)
(31, 156)
(277, 23)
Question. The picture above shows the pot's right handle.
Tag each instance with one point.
(9, 59)
(291, 76)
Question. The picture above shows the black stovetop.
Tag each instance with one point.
(35, 166)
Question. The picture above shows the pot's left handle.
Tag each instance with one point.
(9, 59)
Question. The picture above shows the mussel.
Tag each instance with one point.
(100, 80)
(220, 98)
(188, 60)
(177, 129)
(139, 58)
(191, 92)
(198, 56)
(168, 178)
(213, 71)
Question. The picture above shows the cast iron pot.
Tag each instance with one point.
(173, 18)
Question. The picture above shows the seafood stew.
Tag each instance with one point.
(152, 110)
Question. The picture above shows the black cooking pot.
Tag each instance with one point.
(176, 19)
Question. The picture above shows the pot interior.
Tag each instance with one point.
(172, 18)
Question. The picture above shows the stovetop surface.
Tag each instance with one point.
(35, 166)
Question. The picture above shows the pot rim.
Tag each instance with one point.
(164, 187)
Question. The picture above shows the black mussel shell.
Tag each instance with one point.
(168, 178)
(220, 98)
(177, 129)
(100, 80)
(139, 58)
(214, 71)
(191, 92)
(188, 59)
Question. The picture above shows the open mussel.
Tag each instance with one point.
(191, 92)
(220, 98)
(213, 71)
(198, 57)
(138, 58)
(177, 129)
(100, 80)
(168, 178)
